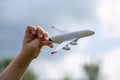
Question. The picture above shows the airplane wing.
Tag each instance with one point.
(63, 44)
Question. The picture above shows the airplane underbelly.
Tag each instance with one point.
(60, 38)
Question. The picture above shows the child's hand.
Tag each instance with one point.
(35, 38)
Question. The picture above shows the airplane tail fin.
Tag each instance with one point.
(59, 30)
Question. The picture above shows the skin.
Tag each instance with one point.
(35, 38)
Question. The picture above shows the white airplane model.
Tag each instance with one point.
(68, 38)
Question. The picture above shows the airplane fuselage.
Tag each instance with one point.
(71, 35)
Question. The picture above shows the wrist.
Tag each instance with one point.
(26, 56)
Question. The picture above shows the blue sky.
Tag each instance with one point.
(101, 16)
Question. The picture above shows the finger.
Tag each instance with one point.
(40, 32)
(36, 42)
(45, 36)
(47, 43)
(50, 45)
(29, 33)
(31, 29)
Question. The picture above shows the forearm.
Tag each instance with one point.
(16, 68)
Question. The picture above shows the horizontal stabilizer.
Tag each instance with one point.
(53, 52)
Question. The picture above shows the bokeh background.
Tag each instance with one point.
(95, 57)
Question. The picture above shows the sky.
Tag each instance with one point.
(100, 16)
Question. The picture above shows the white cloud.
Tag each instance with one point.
(69, 22)
(71, 64)
(111, 65)
(68, 65)
(109, 15)
(45, 69)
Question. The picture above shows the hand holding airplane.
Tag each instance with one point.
(68, 38)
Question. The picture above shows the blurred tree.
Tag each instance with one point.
(67, 78)
(4, 63)
(92, 71)
(29, 75)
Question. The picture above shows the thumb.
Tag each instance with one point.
(36, 42)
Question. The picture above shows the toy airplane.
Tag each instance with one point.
(68, 38)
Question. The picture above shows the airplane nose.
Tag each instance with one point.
(92, 32)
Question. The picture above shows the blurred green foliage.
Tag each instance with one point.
(67, 78)
(92, 71)
(29, 75)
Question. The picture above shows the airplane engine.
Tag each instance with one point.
(66, 48)
(74, 43)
